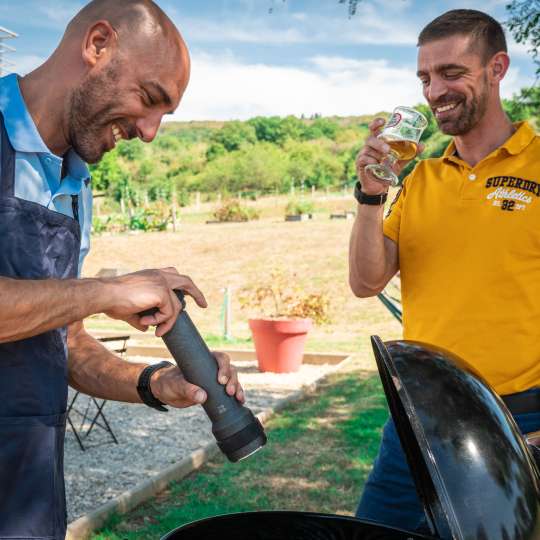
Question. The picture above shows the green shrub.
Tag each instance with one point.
(299, 206)
(233, 210)
(149, 220)
(113, 223)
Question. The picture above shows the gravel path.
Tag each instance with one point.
(150, 441)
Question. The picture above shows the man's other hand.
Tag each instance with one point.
(170, 386)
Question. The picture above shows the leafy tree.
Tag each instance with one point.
(524, 106)
(233, 135)
(168, 142)
(321, 127)
(107, 173)
(302, 158)
(292, 127)
(269, 129)
(329, 170)
(131, 150)
(146, 170)
(260, 167)
(215, 150)
(524, 24)
(313, 165)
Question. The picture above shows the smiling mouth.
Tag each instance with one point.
(117, 133)
(445, 108)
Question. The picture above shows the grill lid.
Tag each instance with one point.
(472, 469)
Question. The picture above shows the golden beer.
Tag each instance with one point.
(402, 133)
(404, 150)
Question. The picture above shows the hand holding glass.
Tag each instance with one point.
(402, 134)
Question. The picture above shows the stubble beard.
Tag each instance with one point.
(90, 114)
(472, 112)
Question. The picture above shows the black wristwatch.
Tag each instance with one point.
(364, 198)
(143, 386)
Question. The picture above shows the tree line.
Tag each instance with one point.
(262, 155)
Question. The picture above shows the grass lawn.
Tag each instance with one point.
(319, 453)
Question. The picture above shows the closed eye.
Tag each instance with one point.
(453, 74)
(146, 98)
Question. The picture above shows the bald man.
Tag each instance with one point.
(119, 68)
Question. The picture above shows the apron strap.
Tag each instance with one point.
(7, 165)
(75, 207)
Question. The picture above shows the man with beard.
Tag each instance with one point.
(463, 232)
(120, 66)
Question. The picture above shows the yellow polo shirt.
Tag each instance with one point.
(469, 256)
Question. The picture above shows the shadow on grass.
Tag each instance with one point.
(318, 455)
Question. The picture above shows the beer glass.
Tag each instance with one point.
(402, 134)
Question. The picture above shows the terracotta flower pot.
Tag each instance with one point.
(279, 343)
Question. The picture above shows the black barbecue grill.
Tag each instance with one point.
(476, 475)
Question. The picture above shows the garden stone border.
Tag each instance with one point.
(84, 526)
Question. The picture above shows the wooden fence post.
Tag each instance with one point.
(173, 212)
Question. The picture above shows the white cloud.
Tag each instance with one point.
(26, 63)
(225, 88)
(519, 50)
(514, 82)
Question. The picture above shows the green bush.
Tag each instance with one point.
(113, 223)
(149, 220)
(233, 210)
(299, 206)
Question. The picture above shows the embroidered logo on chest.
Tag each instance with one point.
(510, 193)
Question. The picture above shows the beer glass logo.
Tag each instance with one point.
(395, 119)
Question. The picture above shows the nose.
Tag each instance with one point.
(147, 127)
(435, 90)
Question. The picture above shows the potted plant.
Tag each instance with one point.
(299, 210)
(285, 314)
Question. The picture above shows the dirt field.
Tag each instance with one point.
(220, 255)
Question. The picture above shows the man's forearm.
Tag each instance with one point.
(31, 307)
(96, 371)
(369, 264)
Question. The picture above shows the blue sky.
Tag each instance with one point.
(266, 57)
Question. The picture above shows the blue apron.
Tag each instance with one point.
(35, 243)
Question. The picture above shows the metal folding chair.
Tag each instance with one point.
(93, 411)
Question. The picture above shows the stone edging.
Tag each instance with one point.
(83, 527)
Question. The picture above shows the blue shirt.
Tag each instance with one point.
(38, 172)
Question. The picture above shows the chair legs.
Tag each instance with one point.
(98, 415)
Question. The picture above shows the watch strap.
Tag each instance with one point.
(143, 386)
(364, 198)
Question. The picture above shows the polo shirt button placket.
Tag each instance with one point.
(470, 190)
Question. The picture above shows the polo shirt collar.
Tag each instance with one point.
(22, 132)
(20, 127)
(515, 144)
(521, 138)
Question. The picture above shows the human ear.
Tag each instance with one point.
(498, 66)
(98, 42)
